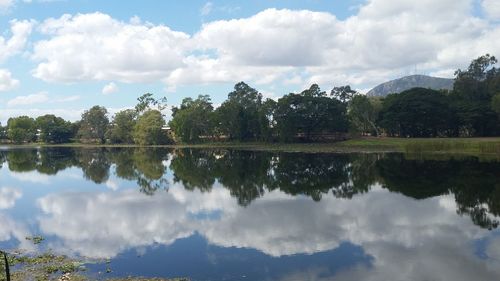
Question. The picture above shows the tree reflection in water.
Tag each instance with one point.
(249, 175)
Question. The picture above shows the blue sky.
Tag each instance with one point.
(62, 57)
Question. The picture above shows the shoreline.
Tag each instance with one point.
(461, 146)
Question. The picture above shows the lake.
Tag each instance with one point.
(241, 215)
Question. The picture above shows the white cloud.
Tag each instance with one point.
(206, 9)
(439, 242)
(32, 177)
(7, 82)
(110, 88)
(8, 197)
(29, 99)
(67, 99)
(271, 38)
(314, 227)
(98, 47)
(12, 229)
(491, 9)
(20, 31)
(5, 4)
(112, 185)
(382, 41)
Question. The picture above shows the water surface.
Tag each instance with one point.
(241, 215)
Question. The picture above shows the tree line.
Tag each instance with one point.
(472, 108)
(143, 125)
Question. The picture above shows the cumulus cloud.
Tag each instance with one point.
(97, 47)
(383, 40)
(423, 239)
(20, 31)
(272, 37)
(424, 232)
(29, 99)
(8, 197)
(124, 226)
(7, 82)
(110, 88)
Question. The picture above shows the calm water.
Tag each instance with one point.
(237, 215)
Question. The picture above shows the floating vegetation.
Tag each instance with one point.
(41, 267)
(51, 267)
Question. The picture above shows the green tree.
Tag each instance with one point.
(54, 129)
(21, 129)
(193, 119)
(121, 128)
(266, 120)
(94, 124)
(307, 113)
(471, 84)
(495, 103)
(473, 93)
(238, 117)
(343, 93)
(147, 102)
(149, 129)
(363, 113)
(417, 112)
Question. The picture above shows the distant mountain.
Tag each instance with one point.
(408, 82)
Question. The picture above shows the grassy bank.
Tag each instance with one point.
(466, 146)
(434, 145)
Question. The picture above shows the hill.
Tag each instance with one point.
(408, 82)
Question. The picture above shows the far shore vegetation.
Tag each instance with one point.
(463, 120)
(460, 146)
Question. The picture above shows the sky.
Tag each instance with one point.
(64, 56)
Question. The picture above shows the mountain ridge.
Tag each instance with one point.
(407, 82)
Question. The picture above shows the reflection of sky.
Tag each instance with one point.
(375, 236)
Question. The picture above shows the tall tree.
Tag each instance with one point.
(343, 93)
(149, 129)
(122, 126)
(417, 112)
(193, 119)
(473, 92)
(21, 129)
(147, 102)
(363, 113)
(94, 124)
(54, 129)
(238, 116)
(307, 113)
(266, 120)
